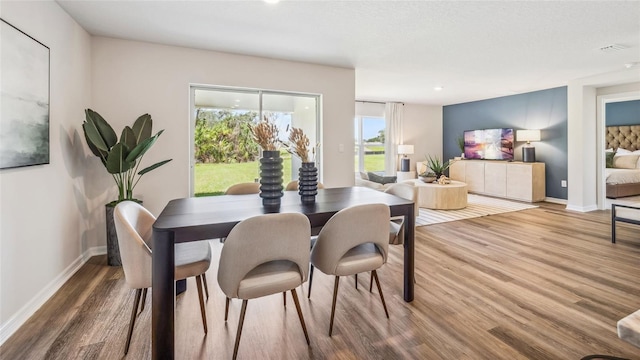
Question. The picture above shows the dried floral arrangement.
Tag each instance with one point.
(266, 135)
(299, 145)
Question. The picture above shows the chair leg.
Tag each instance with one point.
(333, 305)
(132, 322)
(284, 298)
(304, 327)
(310, 281)
(226, 309)
(201, 298)
(356, 277)
(384, 305)
(144, 299)
(206, 287)
(239, 333)
(371, 282)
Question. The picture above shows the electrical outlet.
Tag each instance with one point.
(563, 183)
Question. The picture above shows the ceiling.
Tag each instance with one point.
(400, 50)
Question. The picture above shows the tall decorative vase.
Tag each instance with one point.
(271, 178)
(308, 182)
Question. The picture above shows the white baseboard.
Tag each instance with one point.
(582, 208)
(19, 318)
(555, 200)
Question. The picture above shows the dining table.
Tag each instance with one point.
(202, 218)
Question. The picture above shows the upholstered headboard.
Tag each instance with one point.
(626, 137)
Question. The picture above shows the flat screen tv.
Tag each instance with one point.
(489, 144)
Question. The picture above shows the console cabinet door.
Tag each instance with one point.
(495, 179)
(457, 170)
(519, 182)
(474, 176)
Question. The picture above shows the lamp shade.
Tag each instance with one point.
(528, 135)
(405, 149)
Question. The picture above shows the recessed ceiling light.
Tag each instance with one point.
(632, 64)
(271, 1)
(438, 88)
(237, 100)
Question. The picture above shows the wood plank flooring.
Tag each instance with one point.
(535, 284)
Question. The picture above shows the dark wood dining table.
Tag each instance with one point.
(193, 219)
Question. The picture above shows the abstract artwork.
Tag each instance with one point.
(24, 99)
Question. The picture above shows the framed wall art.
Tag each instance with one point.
(24, 99)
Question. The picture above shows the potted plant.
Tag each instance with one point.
(436, 167)
(308, 172)
(265, 133)
(122, 158)
(460, 141)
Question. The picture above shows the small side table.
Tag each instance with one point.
(405, 175)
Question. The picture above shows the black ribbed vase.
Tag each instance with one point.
(271, 178)
(308, 182)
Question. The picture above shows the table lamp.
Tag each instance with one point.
(528, 150)
(405, 150)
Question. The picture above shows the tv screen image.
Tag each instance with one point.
(489, 144)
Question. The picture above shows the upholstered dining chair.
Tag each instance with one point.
(243, 189)
(396, 225)
(354, 240)
(134, 228)
(265, 255)
(293, 186)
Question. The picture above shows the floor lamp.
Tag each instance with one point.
(528, 150)
(405, 162)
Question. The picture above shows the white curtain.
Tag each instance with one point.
(393, 115)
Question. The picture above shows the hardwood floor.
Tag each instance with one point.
(535, 284)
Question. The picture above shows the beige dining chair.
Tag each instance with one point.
(243, 189)
(265, 255)
(293, 186)
(396, 225)
(134, 228)
(354, 240)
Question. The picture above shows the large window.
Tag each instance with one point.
(370, 137)
(224, 151)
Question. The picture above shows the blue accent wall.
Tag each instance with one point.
(545, 110)
(623, 113)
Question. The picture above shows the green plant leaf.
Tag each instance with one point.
(128, 137)
(142, 147)
(99, 131)
(152, 167)
(116, 162)
(97, 152)
(142, 128)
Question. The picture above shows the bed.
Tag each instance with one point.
(623, 172)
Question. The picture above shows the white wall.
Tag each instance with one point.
(43, 214)
(423, 130)
(132, 78)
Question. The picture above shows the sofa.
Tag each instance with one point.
(382, 182)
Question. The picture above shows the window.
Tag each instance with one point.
(223, 150)
(370, 137)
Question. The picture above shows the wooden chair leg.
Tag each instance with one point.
(384, 305)
(132, 322)
(144, 299)
(304, 327)
(226, 309)
(239, 332)
(206, 287)
(284, 298)
(201, 298)
(333, 305)
(356, 277)
(310, 281)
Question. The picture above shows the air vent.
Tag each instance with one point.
(613, 47)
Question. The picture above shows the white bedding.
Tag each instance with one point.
(622, 176)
